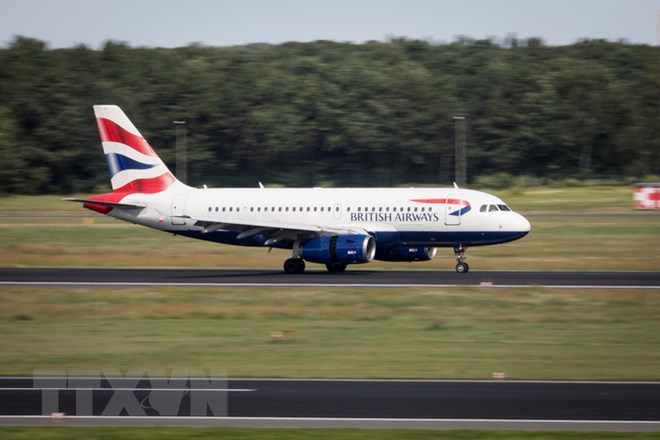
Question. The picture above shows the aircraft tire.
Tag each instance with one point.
(294, 265)
(462, 268)
(335, 267)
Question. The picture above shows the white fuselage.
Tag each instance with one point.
(395, 216)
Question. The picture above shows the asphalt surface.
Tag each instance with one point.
(350, 278)
(631, 406)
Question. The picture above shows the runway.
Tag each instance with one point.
(621, 406)
(321, 278)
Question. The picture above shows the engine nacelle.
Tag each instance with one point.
(346, 249)
(407, 253)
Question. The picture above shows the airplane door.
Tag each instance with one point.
(178, 209)
(453, 210)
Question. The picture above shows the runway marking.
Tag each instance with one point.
(333, 285)
(232, 390)
(344, 419)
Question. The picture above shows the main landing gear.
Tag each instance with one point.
(297, 265)
(335, 267)
(461, 266)
(294, 265)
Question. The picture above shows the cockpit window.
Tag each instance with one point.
(493, 208)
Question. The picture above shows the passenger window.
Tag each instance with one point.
(483, 208)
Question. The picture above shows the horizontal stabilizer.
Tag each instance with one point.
(108, 204)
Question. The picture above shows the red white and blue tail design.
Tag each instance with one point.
(134, 166)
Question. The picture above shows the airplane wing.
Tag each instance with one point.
(272, 229)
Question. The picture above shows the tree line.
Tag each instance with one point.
(334, 114)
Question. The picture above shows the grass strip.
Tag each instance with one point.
(468, 333)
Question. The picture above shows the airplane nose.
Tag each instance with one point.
(522, 224)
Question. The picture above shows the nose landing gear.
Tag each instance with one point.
(461, 266)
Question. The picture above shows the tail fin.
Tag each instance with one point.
(134, 166)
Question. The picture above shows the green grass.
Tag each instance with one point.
(602, 232)
(61, 432)
(465, 333)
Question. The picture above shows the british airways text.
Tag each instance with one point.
(401, 217)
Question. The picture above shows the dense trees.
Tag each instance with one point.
(326, 113)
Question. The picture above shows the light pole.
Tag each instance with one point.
(181, 150)
(460, 161)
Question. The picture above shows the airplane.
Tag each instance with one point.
(335, 227)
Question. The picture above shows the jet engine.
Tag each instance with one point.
(339, 249)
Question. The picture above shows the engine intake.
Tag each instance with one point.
(346, 249)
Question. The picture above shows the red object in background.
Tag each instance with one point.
(647, 196)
